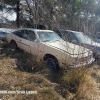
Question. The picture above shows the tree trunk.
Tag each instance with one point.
(18, 9)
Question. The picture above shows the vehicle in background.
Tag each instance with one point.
(4, 32)
(50, 47)
(96, 40)
(80, 38)
(95, 37)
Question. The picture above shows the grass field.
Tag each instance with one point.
(19, 71)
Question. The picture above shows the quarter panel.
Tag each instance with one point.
(62, 57)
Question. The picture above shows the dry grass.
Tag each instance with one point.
(89, 86)
(20, 71)
(73, 77)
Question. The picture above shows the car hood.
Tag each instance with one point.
(68, 47)
(94, 44)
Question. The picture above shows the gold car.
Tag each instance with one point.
(47, 45)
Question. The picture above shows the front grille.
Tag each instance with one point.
(84, 59)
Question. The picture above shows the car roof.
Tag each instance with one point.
(70, 31)
(38, 30)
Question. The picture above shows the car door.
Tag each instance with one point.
(32, 41)
(17, 36)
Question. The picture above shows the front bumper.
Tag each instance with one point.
(90, 61)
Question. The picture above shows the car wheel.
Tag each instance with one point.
(13, 45)
(52, 63)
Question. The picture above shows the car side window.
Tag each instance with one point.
(24, 34)
(18, 33)
(30, 35)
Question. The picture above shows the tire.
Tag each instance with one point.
(13, 45)
(52, 63)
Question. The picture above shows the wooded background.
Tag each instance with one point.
(78, 15)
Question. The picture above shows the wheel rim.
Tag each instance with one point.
(51, 63)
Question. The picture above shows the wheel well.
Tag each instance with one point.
(12, 41)
(49, 55)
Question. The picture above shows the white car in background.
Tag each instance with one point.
(4, 32)
(80, 39)
(51, 48)
(95, 37)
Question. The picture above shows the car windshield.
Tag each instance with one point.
(69, 36)
(83, 38)
(48, 37)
